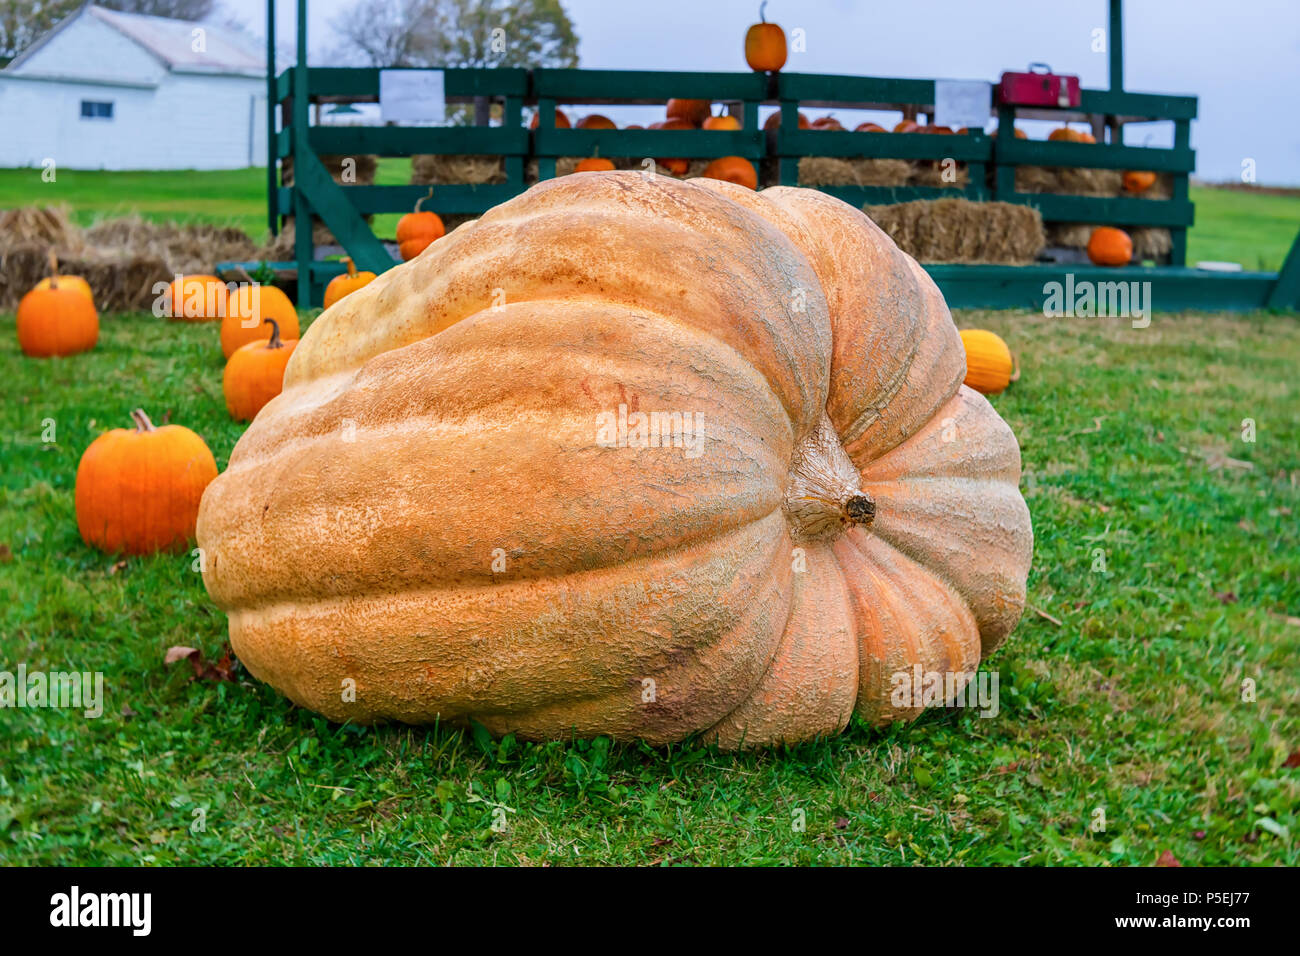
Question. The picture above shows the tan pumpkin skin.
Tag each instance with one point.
(420, 430)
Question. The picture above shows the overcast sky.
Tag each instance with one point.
(1242, 59)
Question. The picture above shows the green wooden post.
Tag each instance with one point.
(1285, 293)
(271, 107)
(1116, 38)
(545, 120)
(303, 248)
(1004, 182)
(1182, 140)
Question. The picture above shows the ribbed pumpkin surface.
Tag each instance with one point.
(427, 510)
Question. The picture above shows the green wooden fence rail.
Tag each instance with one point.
(342, 208)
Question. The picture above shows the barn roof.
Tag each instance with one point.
(172, 41)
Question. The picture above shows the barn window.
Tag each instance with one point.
(92, 109)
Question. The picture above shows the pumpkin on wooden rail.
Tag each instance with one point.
(645, 496)
(1108, 246)
(138, 490)
(418, 229)
(765, 48)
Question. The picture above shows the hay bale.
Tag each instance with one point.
(120, 279)
(430, 170)
(1069, 235)
(931, 174)
(958, 230)
(40, 225)
(836, 171)
(1069, 180)
(1151, 243)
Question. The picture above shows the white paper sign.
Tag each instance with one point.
(959, 103)
(412, 97)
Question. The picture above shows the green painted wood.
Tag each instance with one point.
(1150, 105)
(272, 81)
(304, 161)
(1034, 152)
(284, 85)
(644, 86)
(449, 200)
(458, 84)
(797, 142)
(327, 198)
(284, 143)
(829, 90)
(1107, 210)
(884, 195)
(409, 140)
(649, 142)
(1171, 289)
(1285, 293)
(1115, 39)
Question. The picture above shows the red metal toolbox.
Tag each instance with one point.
(1039, 87)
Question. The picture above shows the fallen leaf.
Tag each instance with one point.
(1199, 835)
(842, 823)
(1167, 858)
(178, 653)
(1226, 597)
(119, 566)
(1293, 760)
(223, 669)
(5, 554)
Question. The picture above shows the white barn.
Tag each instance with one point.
(110, 90)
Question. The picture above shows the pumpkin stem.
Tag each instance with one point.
(352, 268)
(54, 269)
(275, 342)
(142, 423)
(860, 509)
(420, 202)
(762, 15)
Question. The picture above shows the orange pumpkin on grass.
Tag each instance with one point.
(66, 281)
(349, 282)
(439, 508)
(990, 367)
(416, 230)
(1108, 246)
(733, 169)
(138, 490)
(56, 320)
(248, 306)
(195, 298)
(255, 374)
(765, 48)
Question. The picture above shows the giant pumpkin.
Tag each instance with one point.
(737, 491)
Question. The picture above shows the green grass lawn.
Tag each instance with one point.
(1255, 230)
(1121, 689)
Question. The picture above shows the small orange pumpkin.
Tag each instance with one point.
(827, 123)
(561, 120)
(417, 230)
(1019, 133)
(676, 166)
(869, 128)
(594, 164)
(765, 48)
(56, 320)
(1108, 246)
(935, 130)
(69, 282)
(138, 491)
(596, 121)
(1067, 135)
(1138, 181)
(724, 122)
(906, 126)
(255, 374)
(694, 112)
(990, 367)
(774, 121)
(195, 298)
(248, 307)
(350, 281)
(732, 169)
